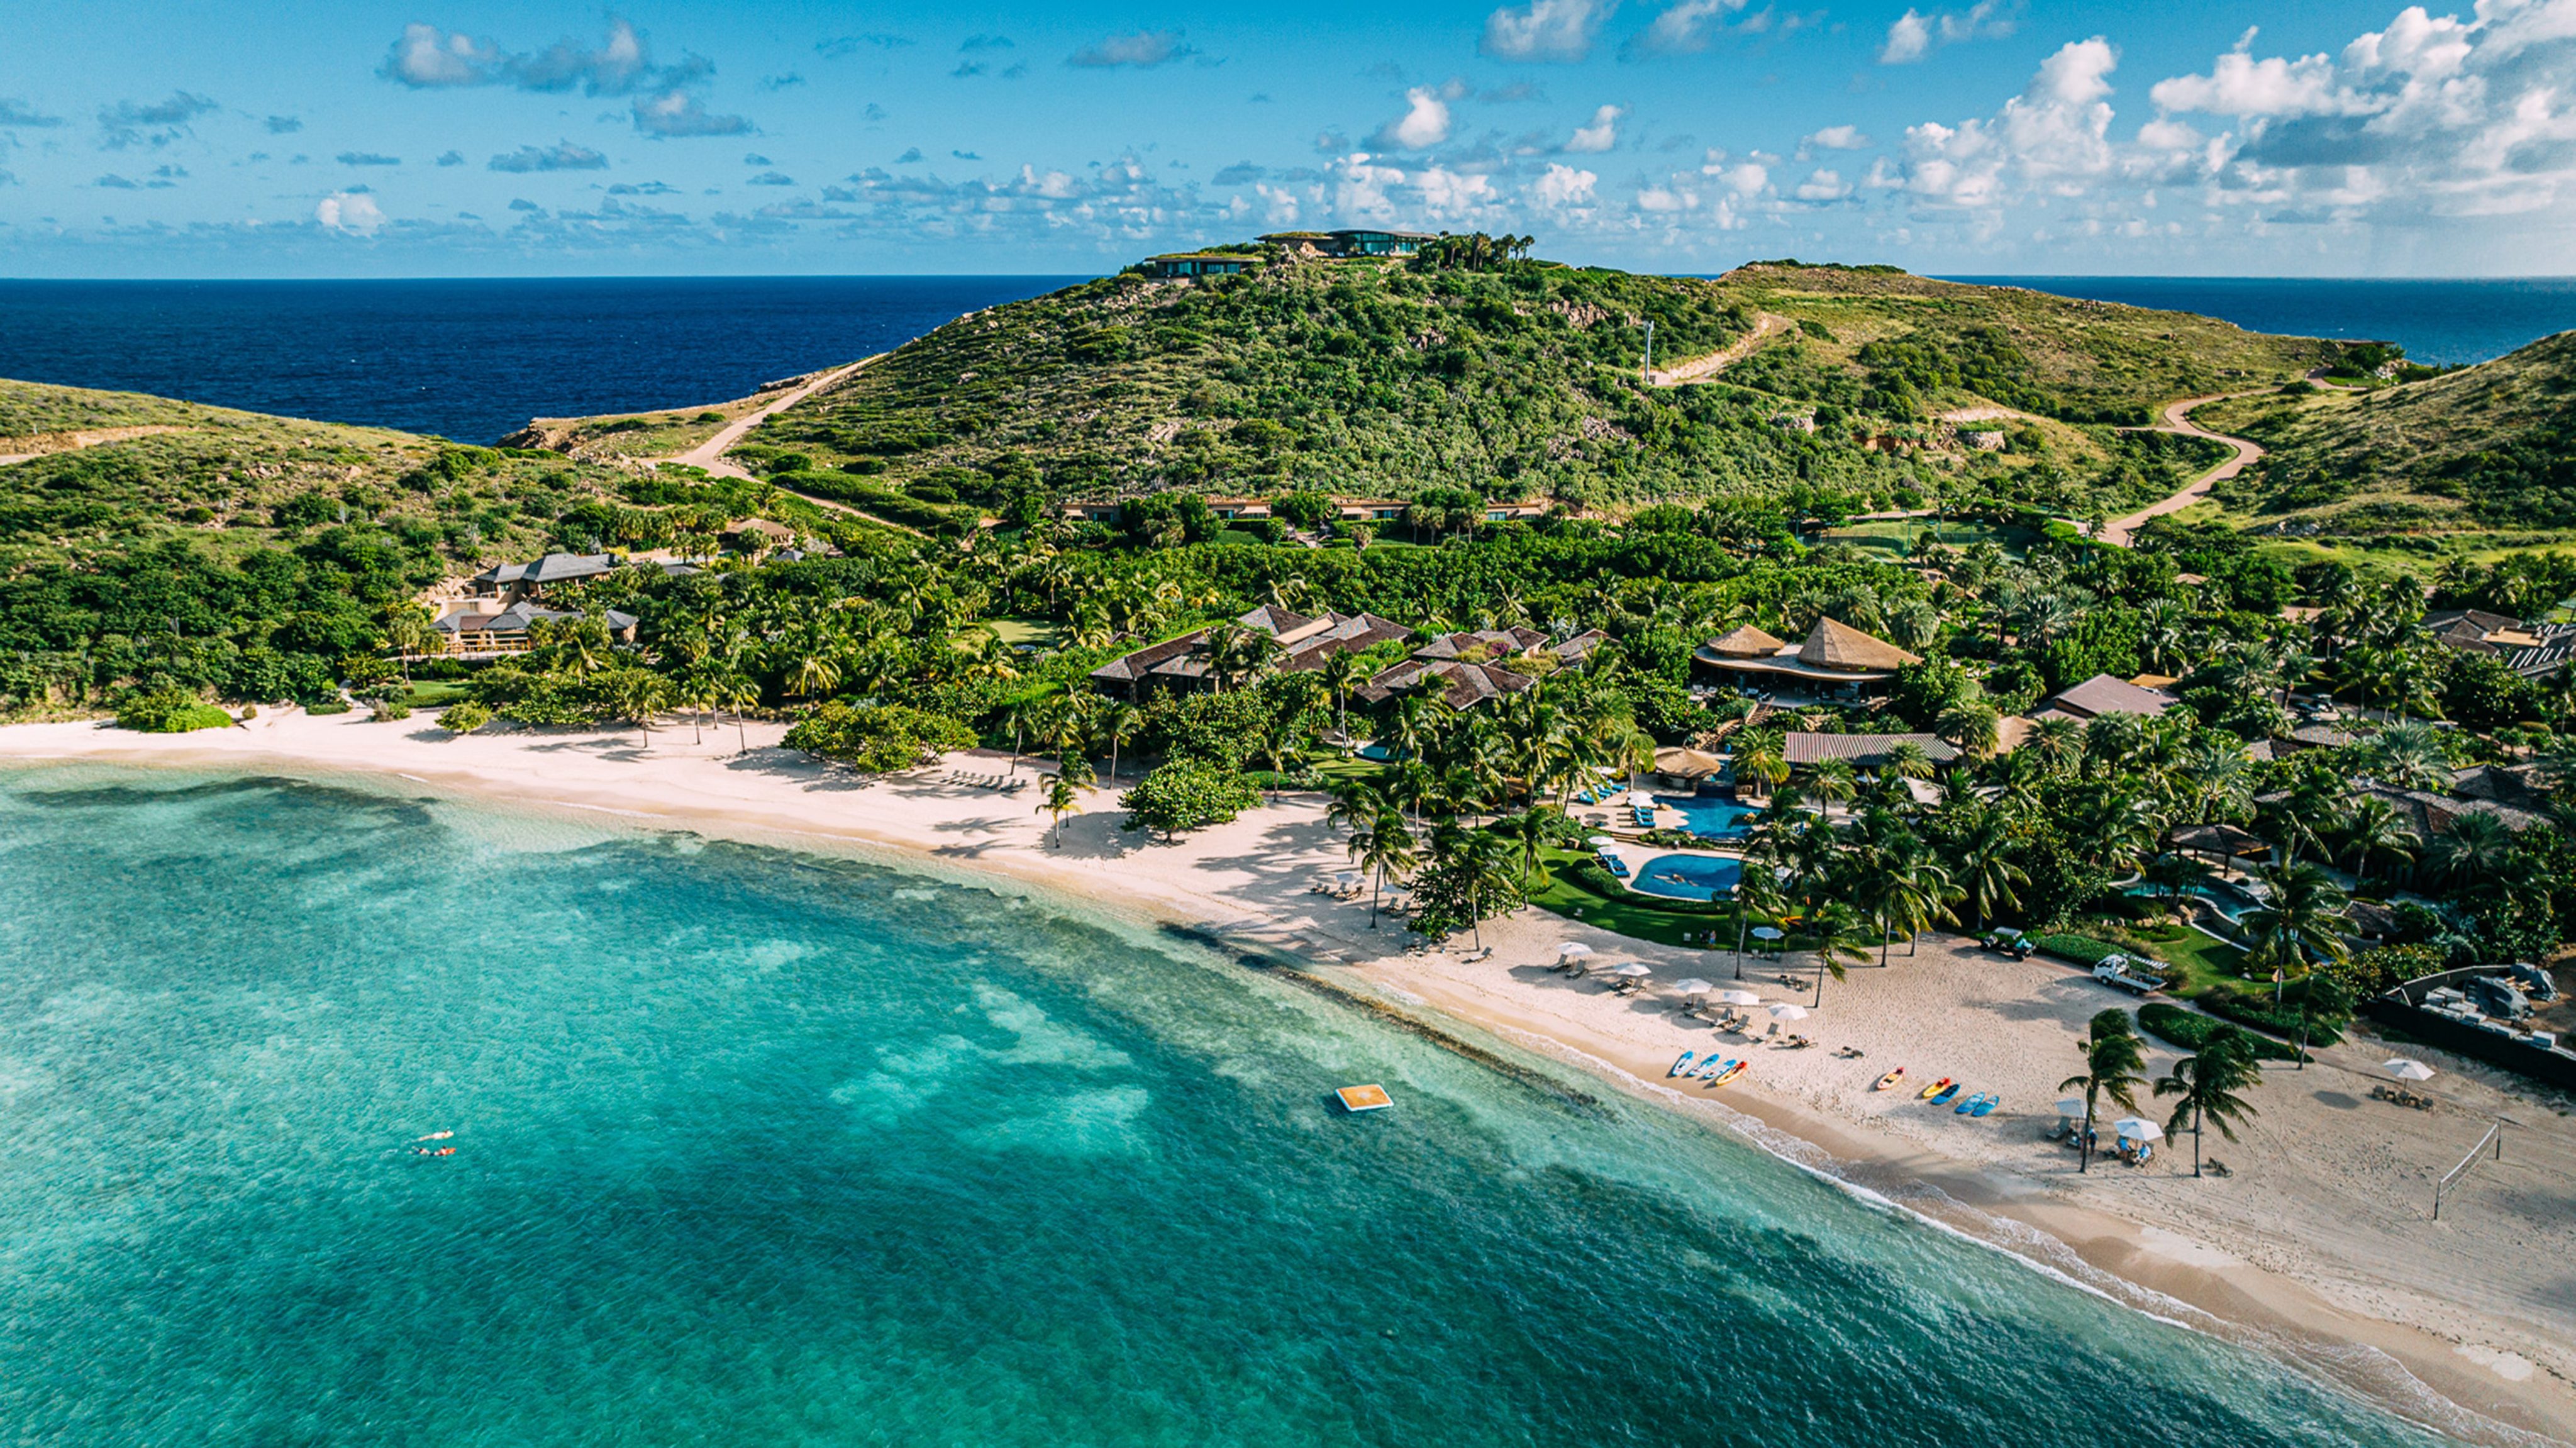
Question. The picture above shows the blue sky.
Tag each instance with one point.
(454, 137)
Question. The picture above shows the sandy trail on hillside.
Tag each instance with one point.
(710, 455)
(1699, 369)
(2178, 419)
(2318, 1243)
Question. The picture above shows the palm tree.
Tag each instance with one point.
(1832, 781)
(2056, 743)
(1339, 674)
(1119, 723)
(1759, 757)
(1530, 831)
(1061, 795)
(407, 628)
(2372, 826)
(2207, 1083)
(737, 692)
(2113, 1056)
(1982, 852)
(1911, 891)
(1840, 934)
(2476, 845)
(2327, 1003)
(2411, 755)
(2301, 920)
(1384, 848)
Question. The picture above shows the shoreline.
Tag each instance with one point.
(2482, 1371)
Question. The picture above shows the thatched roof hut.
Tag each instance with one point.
(1833, 644)
(1746, 642)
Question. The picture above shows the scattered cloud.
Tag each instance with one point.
(1822, 185)
(114, 182)
(2053, 138)
(133, 123)
(283, 125)
(771, 178)
(874, 112)
(1599, 136)
(1142, 50)
(1546, 29)
(1513, 94)
(842, 47)
(643, 188)
(985, 42)
(754, 158)
(1683, 28)
(1240, 173)
(427, 57)
(351, 213)
(781, 82)
(451, 158)
(1833, 138)
(562, 156)
(910, 155)
(1561, 187)
(1425, 122)
(367, 158)
(966, 155)
(521, 203)
(680, 113)
(967, 70)
(17, 113)
(1914, 35)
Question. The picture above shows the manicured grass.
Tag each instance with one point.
(433, 693)
(1334, 767)
(2199, 962)
(1014, 632)
(1629, 914)
(1891, 534)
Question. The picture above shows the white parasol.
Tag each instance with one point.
(2406, 1070)
(2072, 1107)
(1632, 971)
(2133, 1128)
(1788, 1011)
(1739, 998)
(1572, 950)
(1691, 987)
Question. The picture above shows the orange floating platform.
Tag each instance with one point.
(1364, 1098)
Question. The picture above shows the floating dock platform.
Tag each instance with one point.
(1364, 1098)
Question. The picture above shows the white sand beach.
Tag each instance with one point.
(2320, 1245)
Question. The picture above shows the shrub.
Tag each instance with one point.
(388, 711)
(1186, 794)
(2262, 1015)
(2082, 949)
(878, 739)
(2190, 1030)
(169, 711)
(327, 706)
(464, 717)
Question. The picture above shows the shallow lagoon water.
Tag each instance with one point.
(760, 1147)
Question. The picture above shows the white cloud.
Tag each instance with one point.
(1453, 196)
(427, 58)
(1833, 138)
(2053, 137)
(1599, 136)
(1360, 188)
(1821, 186)
(563, 156)
(1546, 29)
(352, 213)
(1914, 35)
(1681, 29)
(1425, 122)
(680, 113)
(1562, 187)
(1143, 50)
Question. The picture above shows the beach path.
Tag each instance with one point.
(2117, 532)
(710, 455)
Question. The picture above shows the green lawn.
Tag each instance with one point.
(434, 693)
(1890, 535)
(2203, 963)
(1629, 914)
(1014, 632)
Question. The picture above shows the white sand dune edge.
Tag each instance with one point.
(2319, 1247)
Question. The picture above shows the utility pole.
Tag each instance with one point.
(1650, 350)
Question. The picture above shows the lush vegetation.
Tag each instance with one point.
(1486, 372)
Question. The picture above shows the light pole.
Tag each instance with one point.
(1650, 351)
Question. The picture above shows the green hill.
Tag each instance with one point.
(2486, 449)
(1524, 381)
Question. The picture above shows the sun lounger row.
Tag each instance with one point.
(1006, 783)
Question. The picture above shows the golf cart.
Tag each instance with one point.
(2009, 943)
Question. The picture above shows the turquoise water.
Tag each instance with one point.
(760, 1148)
(1702, 877)
(1710, 817)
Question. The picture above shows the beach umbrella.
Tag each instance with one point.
(1739, 998)
(2406, 1070)
(1599, 842)
(1788, 1011)
(1766, 932)
(1632, 971)
(2132, 1128)
(1691, 987)
(1640, 798)
(2072, 1106)
(1572, 950)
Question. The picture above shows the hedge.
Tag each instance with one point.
(2191, 1030)
(169, 711)
(2084, 950)
(881, 500)
(2252, 1011)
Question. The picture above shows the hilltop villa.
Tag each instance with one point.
(1837, 660)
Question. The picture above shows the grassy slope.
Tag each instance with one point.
(1370, 377)
(2472, 458)
(237, 480)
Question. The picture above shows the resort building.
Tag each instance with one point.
(471, 632)
(2529, 649)
(1199, 264)
(1470, 668)
(2107, 694)
(1836, 660)
(1866, 752)
(1298, 643)
(1350, 242)
(525, 580)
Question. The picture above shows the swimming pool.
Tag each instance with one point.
(1708, 816)
(2229, 903)
(1688, 877)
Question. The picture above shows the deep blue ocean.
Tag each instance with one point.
(469, 360)
(763, 1148)
(473, 360)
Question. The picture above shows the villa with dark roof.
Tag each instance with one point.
(2106, 694)
(1470, 668)
(525, 579)
(1301, 643)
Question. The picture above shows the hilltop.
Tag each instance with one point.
(2487, 448)
(1523, 380)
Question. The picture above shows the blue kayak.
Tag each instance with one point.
(1946, 1092)
(1680, 1065)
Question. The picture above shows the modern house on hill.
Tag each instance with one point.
(1200, 264)
(1836, 659)
(524, 580)
(1470, 668)
(1299, 643)
(2529, 649)
(1352, 242)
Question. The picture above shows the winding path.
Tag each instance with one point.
(710, 455)
(1699, 369)
(2178, 419)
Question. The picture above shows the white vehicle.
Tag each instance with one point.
(2127, 974)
